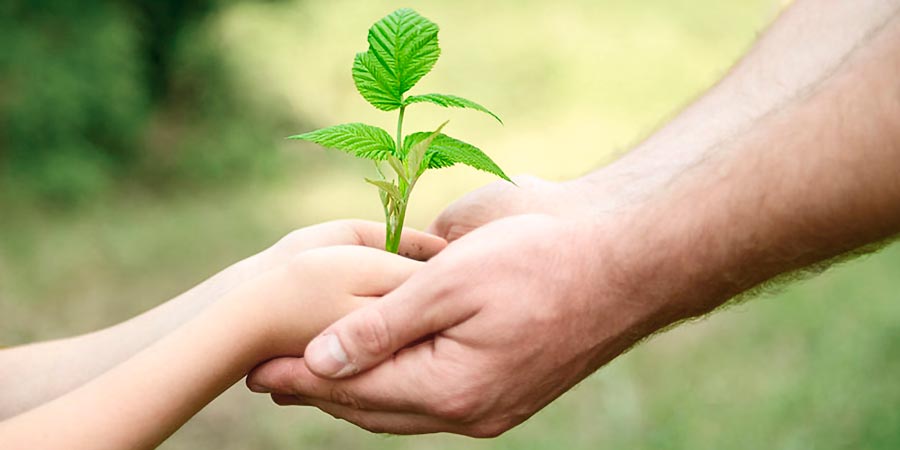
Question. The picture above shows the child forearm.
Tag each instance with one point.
(145, 399)
(34, 374)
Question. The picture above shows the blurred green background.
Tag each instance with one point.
(141, 150)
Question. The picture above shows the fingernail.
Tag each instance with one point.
(327, 356)
(258, 389)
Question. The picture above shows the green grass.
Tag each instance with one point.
(812, 367)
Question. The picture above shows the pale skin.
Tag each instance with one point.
(792, 159)
(125, 395)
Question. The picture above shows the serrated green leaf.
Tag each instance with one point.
(456, 151)
(446, 151)
(439, 161)
(373, 84)
(359, 139)
(403, 47)
(413, 139)
(448, 101)
(449, 150)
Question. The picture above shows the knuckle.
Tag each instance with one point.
(304, 238)
(349, 227)
(291, 243)
(371, 335)
(293, 380)
(342, 397)
(460, 407)
(456, 231)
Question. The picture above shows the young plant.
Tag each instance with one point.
(403, 48)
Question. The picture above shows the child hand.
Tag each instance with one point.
(414, 244)
(322, 285)
(320, 273)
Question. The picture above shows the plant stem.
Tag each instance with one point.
(378, 169)
(400, 129)
(393, 243)
(394, 224)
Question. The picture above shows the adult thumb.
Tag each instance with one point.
(373, 333)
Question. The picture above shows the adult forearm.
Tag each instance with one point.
(814, 179)
(803, 47)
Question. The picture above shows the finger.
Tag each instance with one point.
(397, 385)
(438, 226)
(489, 203)
(454, 221)
(288, 400)
(375, 421)
(364, 271)
(374, 332)
(475, 209)
(451, 229)
(413, 244)
(393, 423)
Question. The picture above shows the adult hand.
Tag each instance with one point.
(529, 195)
(501, 323)
(516, 312)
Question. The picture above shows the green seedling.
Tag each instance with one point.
(403, 48)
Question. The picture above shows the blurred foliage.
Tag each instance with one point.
(93, 93)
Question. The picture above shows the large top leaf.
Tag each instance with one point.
(373, 83)
(403, 47)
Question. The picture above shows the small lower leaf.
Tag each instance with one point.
(398, 167)
(388, 188)
(415, 157)
(448, 151)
